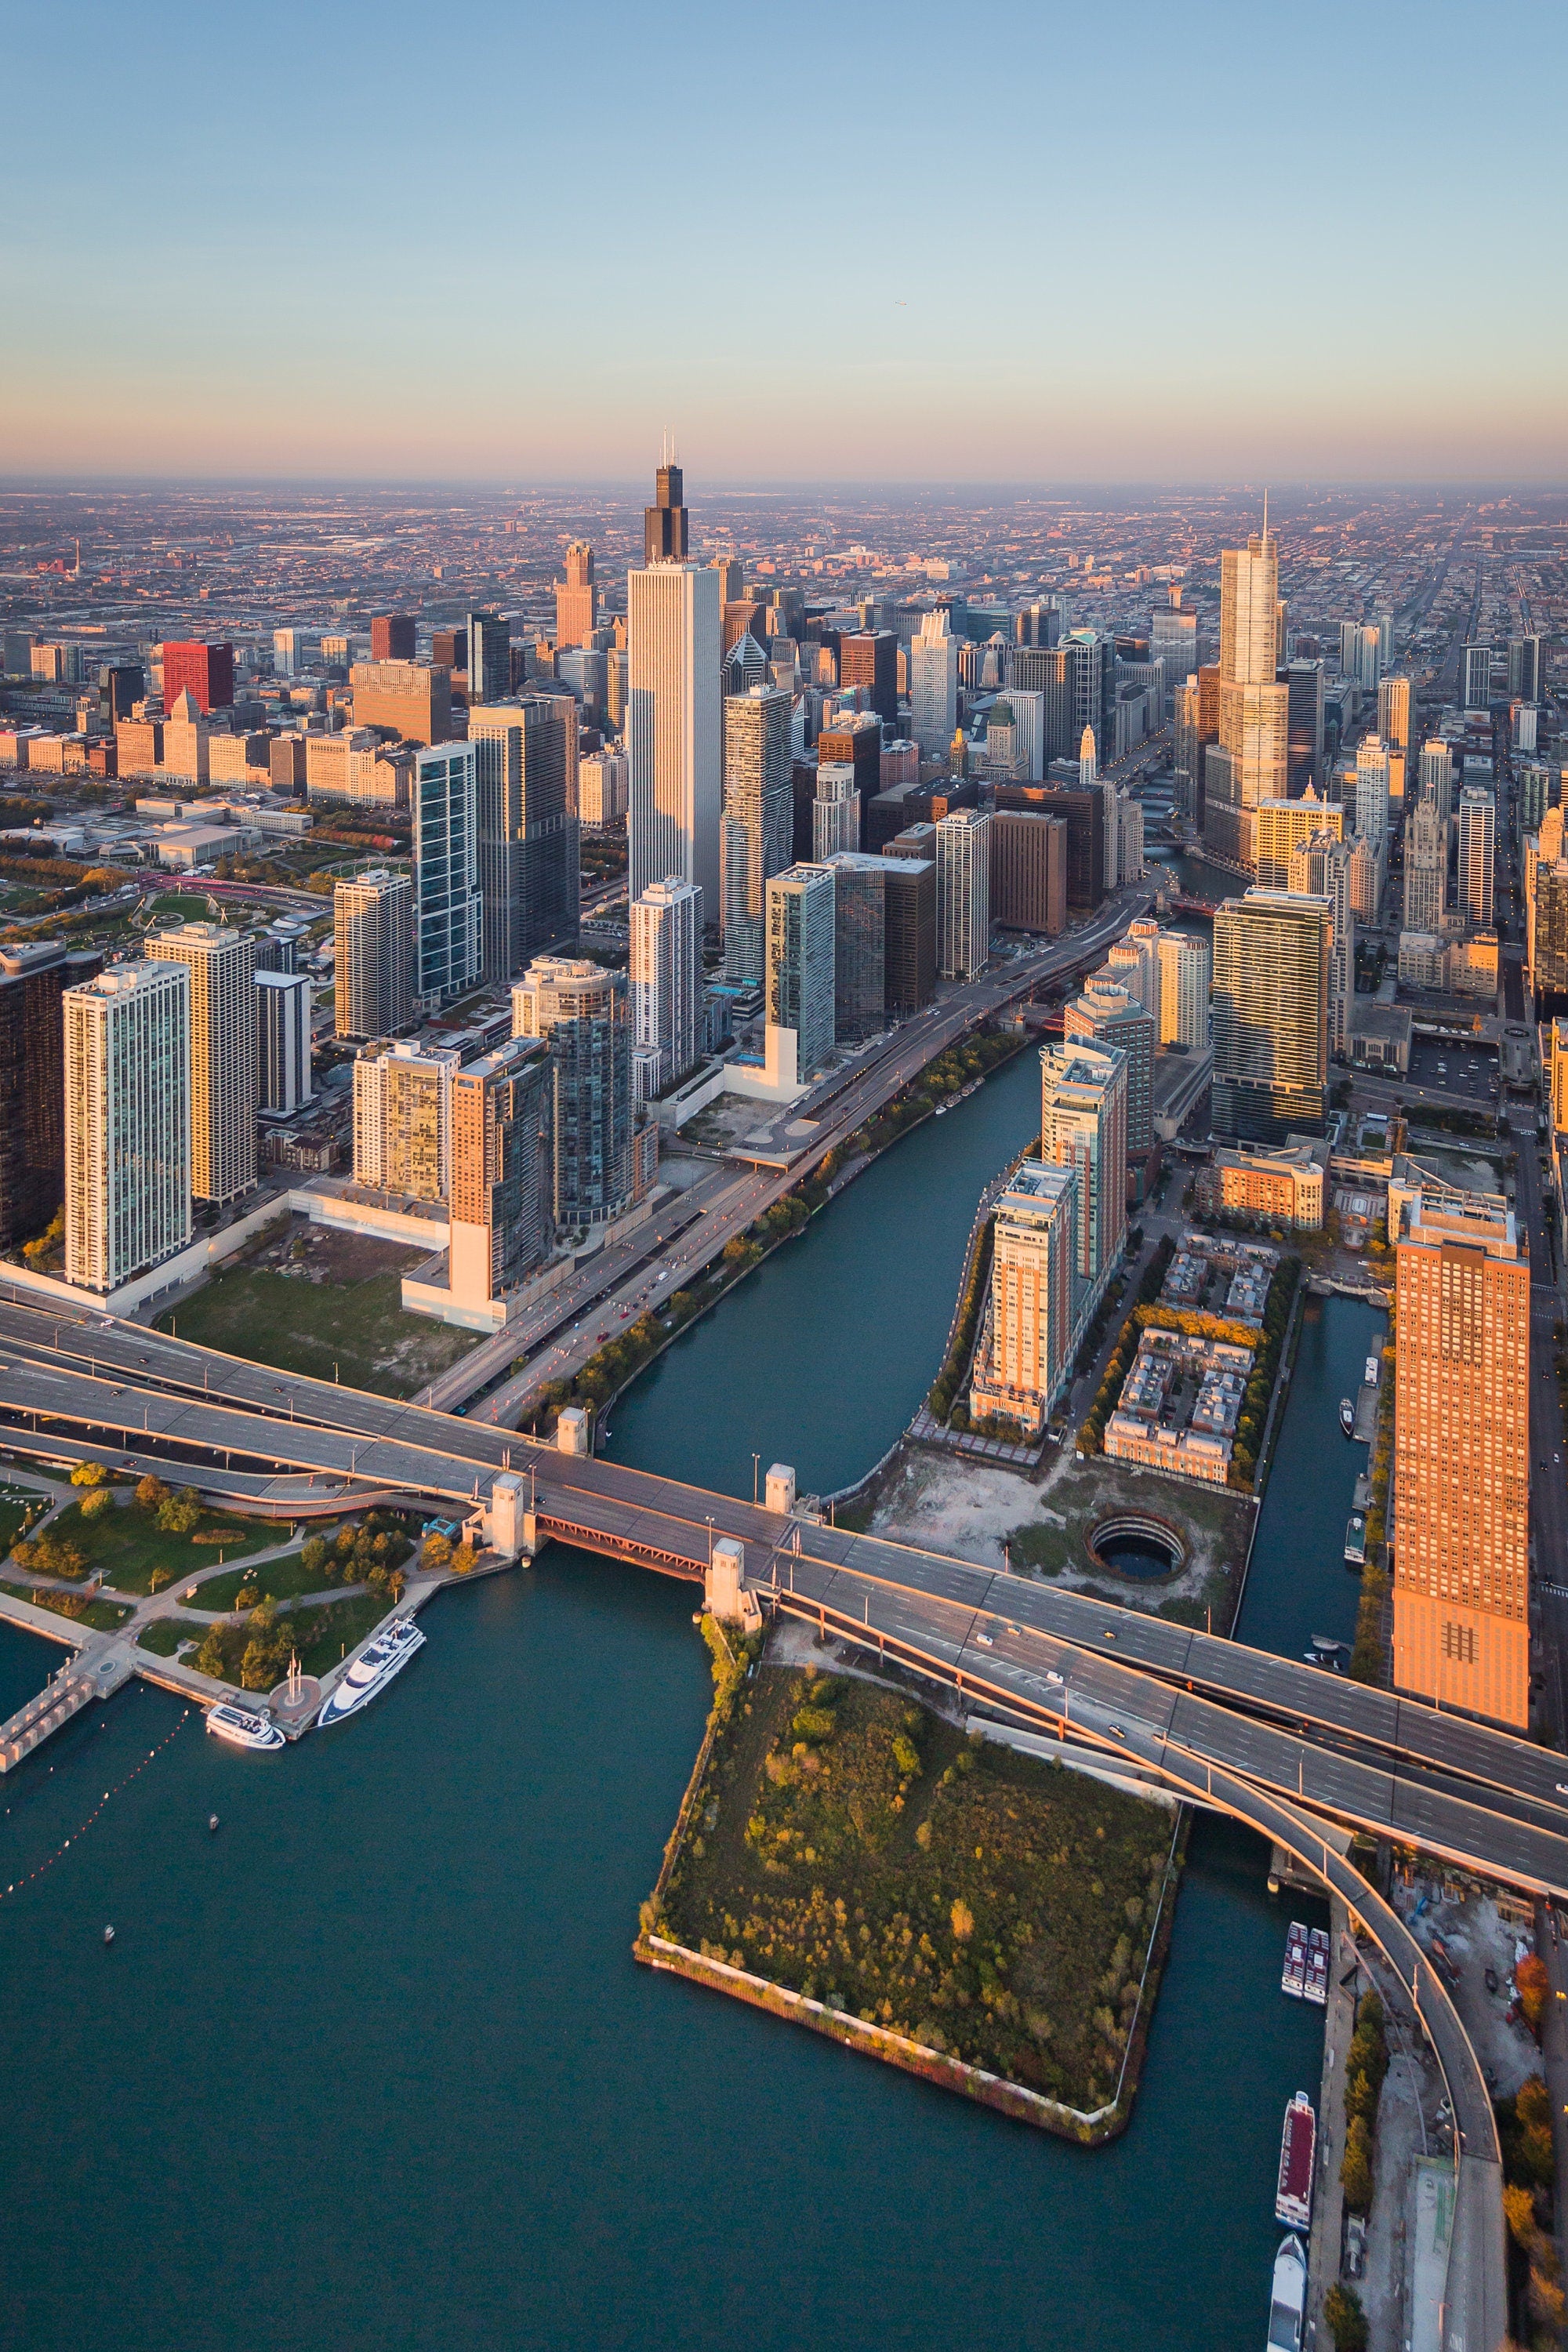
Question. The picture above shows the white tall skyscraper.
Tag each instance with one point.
(373, 938)
(128, 1126)
(1091, 780)
(1476, 873)
(1029, 708)
(1250, 762)
(674, 647)
(448, 921)
(963, 894)
(1438, 775)
(934, 684)
(667, 984)
(222, 965)
(835, 813)
(1371, 789)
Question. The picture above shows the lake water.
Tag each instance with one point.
(372, 2067)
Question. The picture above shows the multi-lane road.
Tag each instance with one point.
(1396, 1767)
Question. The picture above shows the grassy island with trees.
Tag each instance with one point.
(943, 1898)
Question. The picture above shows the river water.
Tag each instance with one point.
(372, 2065)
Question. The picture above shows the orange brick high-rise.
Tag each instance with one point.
(1461, 1459)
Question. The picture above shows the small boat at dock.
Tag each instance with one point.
(1298, 2148)
(242, 1729)
(373, 1670)
(1288, 2304)
(1316, 1986)
(1347, 1416)
(1293, 1976)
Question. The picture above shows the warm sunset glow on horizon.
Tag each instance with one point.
(894, 246)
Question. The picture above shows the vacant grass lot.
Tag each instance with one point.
(128, 1549)
(339, 1311)
(856, 1848)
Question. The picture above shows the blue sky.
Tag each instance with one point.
(1024, 242)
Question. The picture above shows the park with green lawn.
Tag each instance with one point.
(137, 1539)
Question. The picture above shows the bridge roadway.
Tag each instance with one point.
(1396, 1767)
(1278, 1745)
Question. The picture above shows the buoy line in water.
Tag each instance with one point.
(16, 1885)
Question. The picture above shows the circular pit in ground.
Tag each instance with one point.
(1138, 1545)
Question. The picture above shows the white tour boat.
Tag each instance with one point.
(240, 1728)
(373, 1670)
(1288, 2304)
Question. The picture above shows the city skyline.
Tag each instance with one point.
(1082, 386)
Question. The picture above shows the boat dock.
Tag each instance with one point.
(101, 1666)
(1365, 1428)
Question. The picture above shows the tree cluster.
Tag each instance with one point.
(372, 1554)
(1108, 1396)
(1254, 1417)
(1529, 2172)
(1366, 2063)
(860, 1850)
(946, 1387)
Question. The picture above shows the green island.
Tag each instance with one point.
(986, 1918)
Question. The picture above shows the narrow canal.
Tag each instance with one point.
(371, 2065)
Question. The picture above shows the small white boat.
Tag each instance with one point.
(240, 1728)
(1287, 2305)
(1347, 1416)
(373, 1670)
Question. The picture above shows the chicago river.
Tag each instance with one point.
(373, 2064)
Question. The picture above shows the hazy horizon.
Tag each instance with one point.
(868, 245)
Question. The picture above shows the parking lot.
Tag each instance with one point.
(1448, 1065)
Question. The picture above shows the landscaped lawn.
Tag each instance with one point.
(279, 1579)
(99, 1616)
(164, 1634)
(848, 1843)
(341, 1316)
(320, 1635)
(127, 1547)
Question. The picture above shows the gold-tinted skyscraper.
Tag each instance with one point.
(222, 965)
(1250, 762)
(576, 598)
(1461, 1458)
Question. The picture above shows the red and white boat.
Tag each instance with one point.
(1298, 2148)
